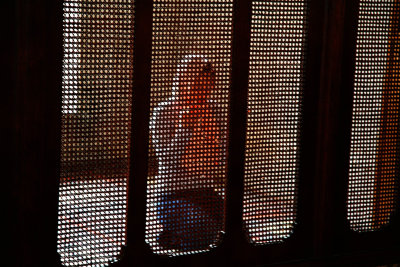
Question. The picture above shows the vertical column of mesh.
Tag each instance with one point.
(190, 75)
(274, 97)
(374, 150)
(96, 116)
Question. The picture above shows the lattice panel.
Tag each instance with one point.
(273, 120)
(96, 122)
(374, 155)
(190, 75)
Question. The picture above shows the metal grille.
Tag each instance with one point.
(96, 123)
(273, 120)
(374, 155)
(190, 75)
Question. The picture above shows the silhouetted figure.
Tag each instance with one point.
(190, 146)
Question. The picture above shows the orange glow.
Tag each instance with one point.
(387, 160)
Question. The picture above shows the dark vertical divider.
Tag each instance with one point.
(36, 128)
(327, 124)
(308, 196)
(137, 251)
(344, 101)
(9, 121)
(235, 235)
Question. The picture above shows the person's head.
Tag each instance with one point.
(196, 79)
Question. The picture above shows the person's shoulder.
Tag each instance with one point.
(169, 104)
(163, 113)
(167, 108)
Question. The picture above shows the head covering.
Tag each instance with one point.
(190, 67)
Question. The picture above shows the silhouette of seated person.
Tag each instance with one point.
(189, 144)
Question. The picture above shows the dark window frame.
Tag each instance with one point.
(322, 236)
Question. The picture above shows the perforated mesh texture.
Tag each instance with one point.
(96, 123)
(273, 119)
(190, 75)
(374, 155)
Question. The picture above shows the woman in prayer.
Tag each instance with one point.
(189, 142)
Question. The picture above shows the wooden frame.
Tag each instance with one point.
(322, 236)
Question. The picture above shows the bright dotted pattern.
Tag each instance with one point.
(187, 165)
(373, 154)
(96, 122)
(273, 119)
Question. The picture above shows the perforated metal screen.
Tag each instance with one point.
(374, 155)
(96, 123)
(273, 119)
(190, 75)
